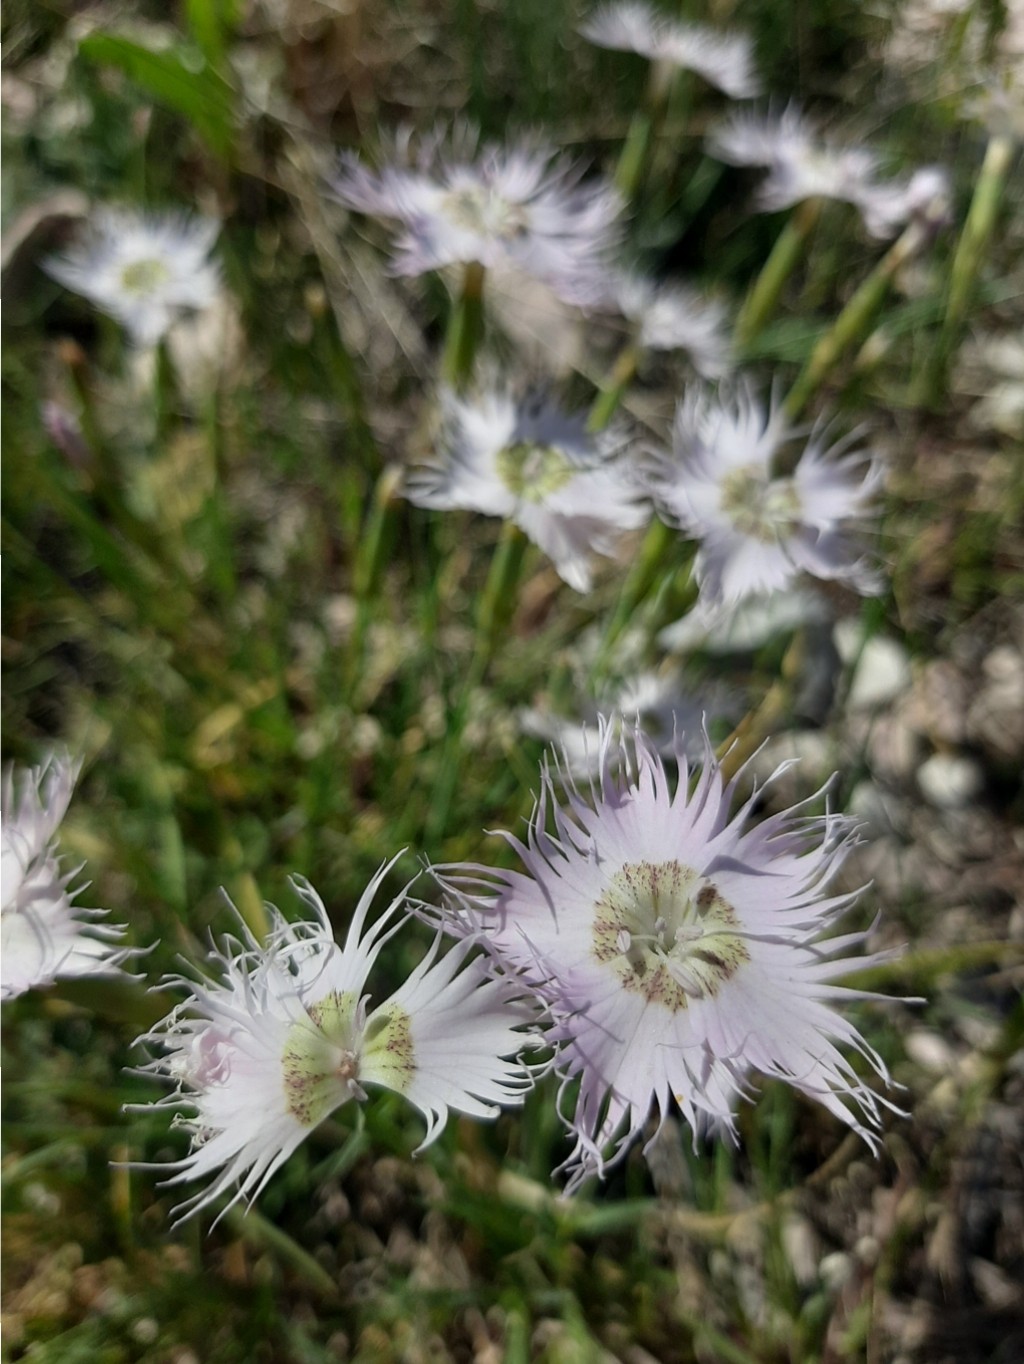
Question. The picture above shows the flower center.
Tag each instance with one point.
(321, 1059)
(533, 472)
(763, 508)
(477, 209)
(667, 933)
(142, 277)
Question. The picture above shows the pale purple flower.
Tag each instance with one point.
(523, 206)
(281, 1036)
(801, 165)
(144, 269)
(679, 952)
(677, 317)
(45, 935)
(760, 528)
(569, 490)
(723, 59)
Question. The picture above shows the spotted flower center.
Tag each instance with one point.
(763, 508)
(141, 277)
(478, 209)
(533, 472)
(667, 933)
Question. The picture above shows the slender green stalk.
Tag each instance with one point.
(610, 395)
(789, 249)
(371, 557)
(854, 321)
(968, 260)
(497, 604)
(640, 145)
(759, 723)
(646, 571)
(164, 390)
(465, 328)
(629, 172)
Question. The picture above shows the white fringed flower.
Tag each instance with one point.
(522, 206)
(680, 952)
(45, 934)
(677, 317)
(725, 60)
(281, 1037)
(529, 462)
(802, 166)
(142, 269)
(759, 528)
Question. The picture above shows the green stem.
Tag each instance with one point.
(643, 575)
(968, 260)
(465, 328)
(789, 249)
(164, 389)
(629, 172)
(499, 596)
(494, 613)
(370, 559)
(854, 321)
(612, 389)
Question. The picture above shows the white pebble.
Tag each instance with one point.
(949, 782)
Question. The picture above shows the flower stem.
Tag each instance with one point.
(788, 250)
(610, 395)
(499, 597)
(465, 328)
(629, 172)
(369, 564)
(968, 260)
(642, 576)
(854, 320)
(758, 724)
(492, 618)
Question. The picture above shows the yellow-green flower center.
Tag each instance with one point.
(326, 1054)
(141, 277)
(475, 208)
(667, 933)
(766, 509)
(533, 472)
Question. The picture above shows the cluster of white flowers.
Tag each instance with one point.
(661, 947)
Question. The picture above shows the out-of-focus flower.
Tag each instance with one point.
(758, 528)
(802, 166)
(748, 625)
(144, 269)
(926, 198)
(723, 59)
(668, 715)
(679, 951)
(281, 1037)
(677, 317)
(568, 490)
(45, 934)
(522, 205)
